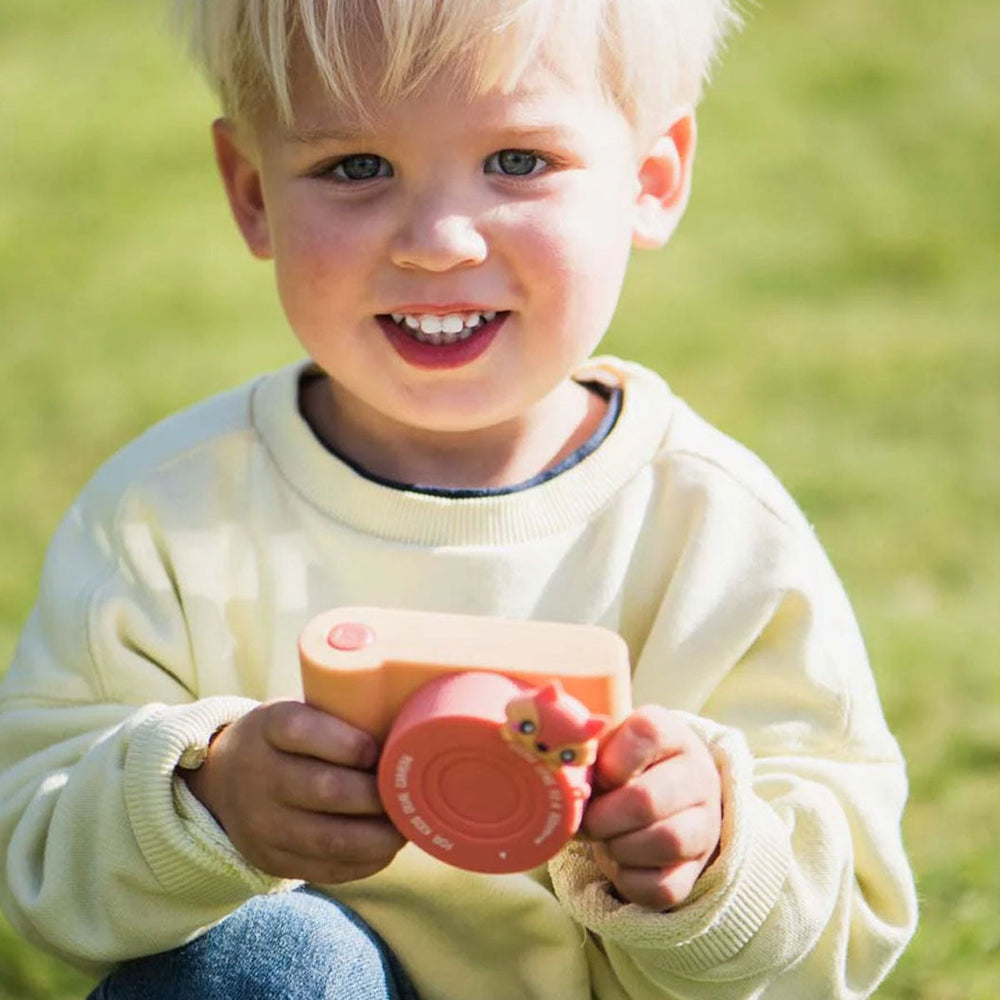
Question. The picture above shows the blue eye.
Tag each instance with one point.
(515, 163)
(567, 756)
(361, 167)
(526, 727)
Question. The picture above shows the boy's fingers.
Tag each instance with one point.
(686, 836)
(655, 889)
(648, 735)
(657, 793)
(345, 840)
(316, 786)
(301, 729)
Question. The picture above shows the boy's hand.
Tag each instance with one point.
(657, 817)
(295, 791)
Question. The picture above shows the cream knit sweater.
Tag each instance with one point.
(171, 601)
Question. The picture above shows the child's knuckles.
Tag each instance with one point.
(286, 726)
(679, 881)
(677, 886)
(657, 846)
(341, 790)
(622, 761)
(656, 892)
(639, 805)
(353, 843)
(649, 724)
(331, 841)
(627, 809)
(325, 786)
(663, 843)
(681, 836)
(647, 736)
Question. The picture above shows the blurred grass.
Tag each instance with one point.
(831, 299)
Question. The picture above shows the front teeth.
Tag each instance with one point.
(432, 329)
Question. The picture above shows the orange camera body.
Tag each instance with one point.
(489, 726)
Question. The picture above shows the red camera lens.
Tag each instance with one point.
(454, 785)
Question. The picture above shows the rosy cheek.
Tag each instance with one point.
(315, 260)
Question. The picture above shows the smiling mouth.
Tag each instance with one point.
(442, 340)
(452, 328)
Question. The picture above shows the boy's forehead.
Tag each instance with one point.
(542, 93)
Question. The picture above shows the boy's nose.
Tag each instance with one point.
(438, 241)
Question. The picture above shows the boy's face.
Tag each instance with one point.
(505, 218)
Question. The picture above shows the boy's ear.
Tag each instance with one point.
(241, 177)
(665, 183)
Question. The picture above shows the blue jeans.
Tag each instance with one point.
(288, 946)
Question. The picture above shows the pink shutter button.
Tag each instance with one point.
(350, 636)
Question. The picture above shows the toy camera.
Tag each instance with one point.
(489, 726)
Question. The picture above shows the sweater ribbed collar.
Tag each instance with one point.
(558, 505)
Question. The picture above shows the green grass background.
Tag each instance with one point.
(831, 299)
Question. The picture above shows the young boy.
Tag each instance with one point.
(448, 190)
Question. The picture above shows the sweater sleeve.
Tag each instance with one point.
(106, 854)
(811, 894)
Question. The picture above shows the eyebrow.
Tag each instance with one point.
(312, 136)
(349, 136)
(547, 129)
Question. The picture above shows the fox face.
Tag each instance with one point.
(553, 726)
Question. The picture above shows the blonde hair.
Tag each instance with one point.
(652, 56)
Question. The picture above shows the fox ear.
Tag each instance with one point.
(594, 726)
(549, 694)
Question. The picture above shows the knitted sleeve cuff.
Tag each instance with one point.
(732, 898)
(188, 853)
